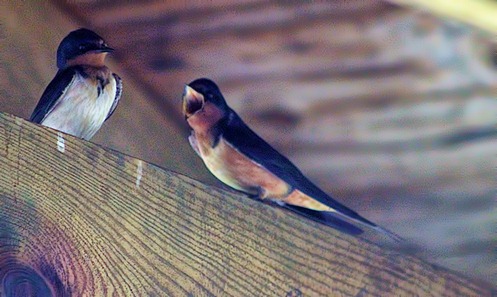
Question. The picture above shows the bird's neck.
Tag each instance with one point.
(93, 59)
(208, 137)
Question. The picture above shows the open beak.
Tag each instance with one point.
(193, 101)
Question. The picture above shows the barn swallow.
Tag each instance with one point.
(84, 93)
(238, 157)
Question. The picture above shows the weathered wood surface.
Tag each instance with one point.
(389, 109)
(78, 219)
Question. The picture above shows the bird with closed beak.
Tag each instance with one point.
(84, 93)
(241, 159)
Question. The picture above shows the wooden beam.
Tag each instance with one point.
(79, 219)
(479, 13)
(246, 16)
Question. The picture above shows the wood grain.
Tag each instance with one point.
(389, 109)
(78, 219)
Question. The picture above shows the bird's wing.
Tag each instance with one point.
(328, 218)
(241, 137)
(53, 93)
(119, 91)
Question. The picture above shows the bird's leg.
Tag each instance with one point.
(263, 196)
(258, 193)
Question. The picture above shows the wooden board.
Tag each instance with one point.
(78, 219)
(390, 110)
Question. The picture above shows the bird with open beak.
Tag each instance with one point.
(84, 93)
(241, 159)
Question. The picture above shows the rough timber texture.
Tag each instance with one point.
(77, 219)
(390, 110)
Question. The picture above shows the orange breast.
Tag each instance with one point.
(237, 171)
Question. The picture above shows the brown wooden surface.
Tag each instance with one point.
(78, 219)
(390, 110)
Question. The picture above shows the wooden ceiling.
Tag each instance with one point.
(248, 47)
(391, 110)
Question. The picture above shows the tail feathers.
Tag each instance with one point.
(362, 221)
(331, 219)
(393, 236)
(338, 221)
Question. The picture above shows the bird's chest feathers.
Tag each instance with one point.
(91, 96)
(87, 100)
(98, 79)
(237, 170)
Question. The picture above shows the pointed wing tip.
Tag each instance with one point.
(117, 98)
(391, 235)
(328, 219)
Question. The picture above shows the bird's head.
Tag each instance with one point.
(81, 47)
(203, 104)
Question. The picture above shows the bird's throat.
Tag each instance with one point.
(95, 59)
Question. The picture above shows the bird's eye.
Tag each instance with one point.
(82, 47)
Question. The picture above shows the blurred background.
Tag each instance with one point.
(390, 109)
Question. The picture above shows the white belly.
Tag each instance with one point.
(81, 112)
